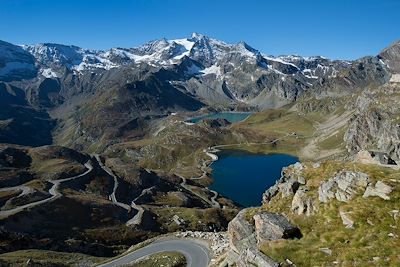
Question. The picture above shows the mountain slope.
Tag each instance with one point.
(71, 83)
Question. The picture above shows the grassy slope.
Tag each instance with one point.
(166, 259)
(350, 247)
(46, 258)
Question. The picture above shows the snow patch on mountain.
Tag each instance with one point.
(94, 62)
(309, 74)
(214, 69)
(188, 45)
(279, 60)
(48, 73)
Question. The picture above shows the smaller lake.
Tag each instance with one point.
(232, 117)
(243, 177)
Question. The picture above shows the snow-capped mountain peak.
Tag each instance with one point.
(210, 56)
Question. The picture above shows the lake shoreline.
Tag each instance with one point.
(243, 176)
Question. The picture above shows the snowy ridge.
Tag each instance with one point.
(48, 73)
(211, 55)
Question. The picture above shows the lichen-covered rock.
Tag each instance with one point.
(343, 186)
(379, 190)
(271, 226)
(302, 203)
(252, 257)
(241, 232)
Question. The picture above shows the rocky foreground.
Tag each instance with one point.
(321, 214)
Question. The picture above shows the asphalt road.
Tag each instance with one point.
(196, 255)
(52, 191)
(137, 219)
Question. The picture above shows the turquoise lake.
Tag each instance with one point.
(232, 117)
(243, 177)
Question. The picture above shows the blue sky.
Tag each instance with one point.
(345, 29)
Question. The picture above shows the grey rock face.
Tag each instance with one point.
(380, 190)
(271, 226)
(241, 233)
(244, 236)
(373, 126)
(290, 181)
(302, 203)
(383, 158)
(253, 257)
(377, 127)
(391, 56)
(343, 186)
(289, 188)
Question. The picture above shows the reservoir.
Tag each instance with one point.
(232, 117)
(243, 177)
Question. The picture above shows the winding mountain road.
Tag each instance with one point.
(23, 188)
(112, 196)
(196, 254)
(53, 191)
(137, 218)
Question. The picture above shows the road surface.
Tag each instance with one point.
(112, 197)
(196, 255)
(52, 191)
(137, 219)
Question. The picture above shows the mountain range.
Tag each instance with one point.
(59, 87)
(98, 152)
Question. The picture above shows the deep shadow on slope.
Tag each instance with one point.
(19, 122)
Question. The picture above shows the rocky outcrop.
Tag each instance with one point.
(391, 56)
(302, 203)
(293, 184)
(343, 186)
(253, 257)
(382, 158)
(380, 190)
(244, 237)
(374, 125)
(241, 233)
(271, 226)
(287, 184)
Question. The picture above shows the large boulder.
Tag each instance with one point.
(343, 186)
(241, 233)
(271, 226)
(253, 257)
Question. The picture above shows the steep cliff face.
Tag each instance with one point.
(391, 56)
(375, 123)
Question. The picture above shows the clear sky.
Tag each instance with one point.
(345, 29)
